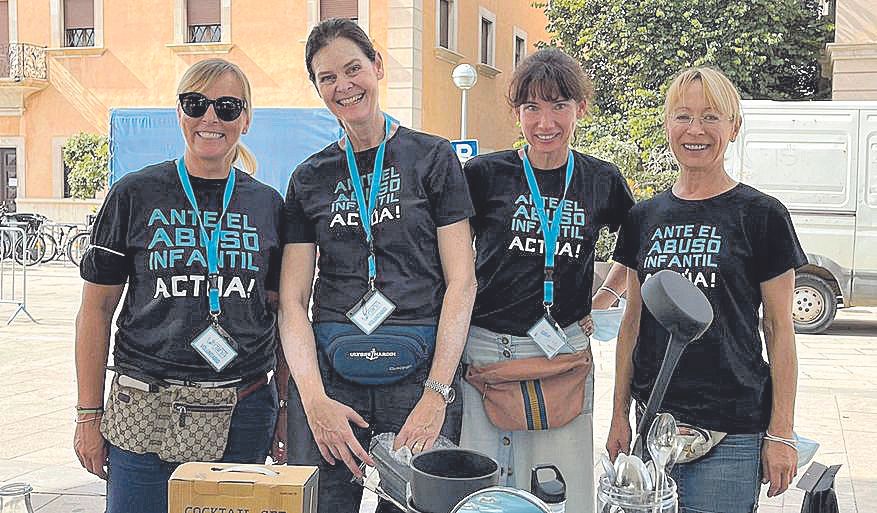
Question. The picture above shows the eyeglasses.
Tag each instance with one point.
(706, 120)
(227, 108)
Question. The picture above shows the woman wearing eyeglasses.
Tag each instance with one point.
(739, 247)
(197, 241)
(388, 208)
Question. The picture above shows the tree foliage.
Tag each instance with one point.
(87, 157)
(632, 49)
(768, 48)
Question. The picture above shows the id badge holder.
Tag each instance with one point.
(372, 310)
(548, 335)
(216, 346)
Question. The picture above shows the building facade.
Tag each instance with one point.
(853, 55)
(68, 62)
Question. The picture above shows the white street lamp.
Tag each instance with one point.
(465, 76)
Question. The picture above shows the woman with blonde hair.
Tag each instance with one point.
(197, 240)
(739, 247)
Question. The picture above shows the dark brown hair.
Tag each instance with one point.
(330, 30)
(549, 74)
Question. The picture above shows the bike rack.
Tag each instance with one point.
(13, 276)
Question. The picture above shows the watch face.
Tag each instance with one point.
(452, 394)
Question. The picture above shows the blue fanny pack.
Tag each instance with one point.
(387, 355)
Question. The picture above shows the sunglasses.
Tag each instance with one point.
(227, 108)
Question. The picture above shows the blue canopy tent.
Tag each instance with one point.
(281, 138)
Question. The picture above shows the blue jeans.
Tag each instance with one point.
(726, 480)
(138, 482)
(384, 407)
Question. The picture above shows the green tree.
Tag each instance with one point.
(768, 48)
(632, 48)
(87, 157)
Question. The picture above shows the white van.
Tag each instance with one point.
(820, 160)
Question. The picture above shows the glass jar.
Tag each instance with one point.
(15, 498)
(615, 499)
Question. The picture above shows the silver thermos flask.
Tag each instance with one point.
(553, 491)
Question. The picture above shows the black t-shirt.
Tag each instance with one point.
(510, 247)
(422, 188)
(146, 234)
(727, 246)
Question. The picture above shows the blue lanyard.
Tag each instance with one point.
(366, 209)
(212, 241)
(550, 228)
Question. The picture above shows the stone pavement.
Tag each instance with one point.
(837, 401)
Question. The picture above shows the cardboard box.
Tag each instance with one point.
(234, 488)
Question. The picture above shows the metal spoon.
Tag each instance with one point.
(620, 469)
(661, 442)
(608, 469)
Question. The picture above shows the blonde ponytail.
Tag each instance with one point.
(244, 159)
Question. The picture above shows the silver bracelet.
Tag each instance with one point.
(791, 442)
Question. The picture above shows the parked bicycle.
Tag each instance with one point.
(29, 249)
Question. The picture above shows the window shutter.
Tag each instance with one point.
(445, 23)
(78, 14)
(339, 9)
(4, 25)
(202, 12)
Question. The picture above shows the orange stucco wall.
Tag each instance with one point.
(138, 69)
(490, 119)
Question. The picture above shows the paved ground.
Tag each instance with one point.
(837, 401)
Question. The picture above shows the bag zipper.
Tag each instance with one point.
(183, 409)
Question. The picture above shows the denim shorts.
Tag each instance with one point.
(138, 482)
(726, 480)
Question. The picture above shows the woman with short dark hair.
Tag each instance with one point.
(388, 208)
(538, 213)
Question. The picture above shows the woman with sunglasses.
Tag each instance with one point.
(739, 247)
(197, 240)
(388, 208)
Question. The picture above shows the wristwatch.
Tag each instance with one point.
(446, 391)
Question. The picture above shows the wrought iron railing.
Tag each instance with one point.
(20, 61)
(205, 33)
(79, 37)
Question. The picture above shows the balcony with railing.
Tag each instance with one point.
(205, 33)
(79, 37)
(23, 71)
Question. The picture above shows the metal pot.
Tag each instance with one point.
(441, 478)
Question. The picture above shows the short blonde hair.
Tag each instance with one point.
(720, 92)
(201, 76)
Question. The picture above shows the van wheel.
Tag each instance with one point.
(814, 304)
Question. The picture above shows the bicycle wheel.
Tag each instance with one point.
(52, 249)
(77, 247)
(30, 249)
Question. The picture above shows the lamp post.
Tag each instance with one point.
(464, 77)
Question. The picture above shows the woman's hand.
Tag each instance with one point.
(779, 465)
(587, 324)
(330, 421)
(619, 437)
(423, 425)
(279, 444)
(91, 447)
